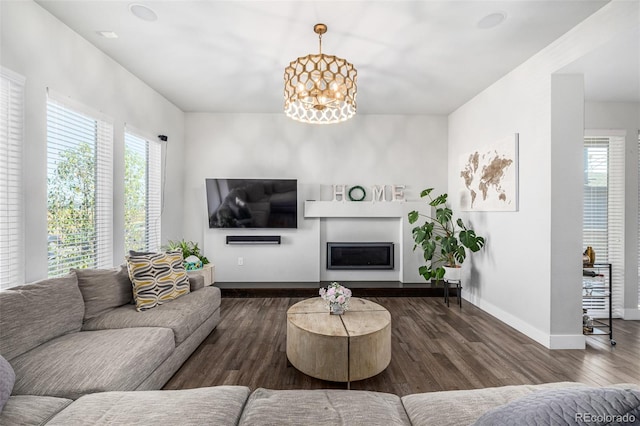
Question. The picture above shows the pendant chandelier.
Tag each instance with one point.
(319, 88)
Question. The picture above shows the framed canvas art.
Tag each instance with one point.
(489, 177)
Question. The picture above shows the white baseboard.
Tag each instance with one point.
(550, 341)
(515, 322)
(567, 341)
(631, 314)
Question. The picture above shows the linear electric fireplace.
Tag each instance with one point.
(359, 255)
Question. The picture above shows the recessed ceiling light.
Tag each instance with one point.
(492, 20)
(107, 34)
(143, 12)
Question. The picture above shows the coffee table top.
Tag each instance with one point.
(363, 317)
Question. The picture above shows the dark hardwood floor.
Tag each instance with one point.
(433, 348)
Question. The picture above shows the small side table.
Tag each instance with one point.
(458, 287)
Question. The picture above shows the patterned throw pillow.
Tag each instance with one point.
(157, 278)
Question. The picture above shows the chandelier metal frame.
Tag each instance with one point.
(319, 88)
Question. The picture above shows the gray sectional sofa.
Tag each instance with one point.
(76, 352)
(80, 334)
(547, 404)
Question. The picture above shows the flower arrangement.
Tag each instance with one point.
(337, 297)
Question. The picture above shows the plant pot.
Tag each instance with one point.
(452, 273)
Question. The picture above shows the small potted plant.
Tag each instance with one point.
(193, 259)
(443, 241)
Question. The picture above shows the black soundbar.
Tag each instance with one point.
(253, 239)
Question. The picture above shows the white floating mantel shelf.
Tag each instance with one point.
(397, 209)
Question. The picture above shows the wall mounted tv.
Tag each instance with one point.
(252, 203)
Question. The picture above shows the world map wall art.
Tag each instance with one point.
(489, 177)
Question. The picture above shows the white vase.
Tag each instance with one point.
(452, 273)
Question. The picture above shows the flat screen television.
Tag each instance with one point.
(252, 203)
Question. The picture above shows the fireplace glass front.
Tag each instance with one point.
(359, 255)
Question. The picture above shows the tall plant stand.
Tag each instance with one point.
(457, 284)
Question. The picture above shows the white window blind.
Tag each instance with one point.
(638, 220)
(11, 216)
(603, 220)
(154, 195)
(143, 182)
(79, 188)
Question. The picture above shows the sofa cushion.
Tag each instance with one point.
(466, 406)
(323, 407)
(92, 361)
(220, 405)
(7, 379)
(183, 315)
(104, 289)
(35, 313)
(601, 406)
(30, 410)
(157, 278)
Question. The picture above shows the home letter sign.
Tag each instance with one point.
(340, 190)
(398, 192)
(379, 193)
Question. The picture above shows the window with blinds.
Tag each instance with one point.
(11, 216)
(79, 188)
(143, 193)
(603, 214)
(638, 220)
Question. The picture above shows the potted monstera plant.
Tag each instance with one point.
(444, 241)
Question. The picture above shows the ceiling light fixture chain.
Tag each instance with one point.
(320, 29)
(320, 88)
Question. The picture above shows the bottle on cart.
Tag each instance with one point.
(591, 253)
(587, 322)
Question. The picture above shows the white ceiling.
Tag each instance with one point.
(412, 57)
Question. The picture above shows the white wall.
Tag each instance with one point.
(513, 278)
(50, 55)
(567, 175)
(624, 116)
(366, 150)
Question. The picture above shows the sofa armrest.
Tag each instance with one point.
(196, 282)
(457, 407)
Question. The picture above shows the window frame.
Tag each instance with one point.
(60, 108)
(12, 116)
(153, 189)
(610, 250)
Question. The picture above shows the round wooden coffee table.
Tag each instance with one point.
(340, 348)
